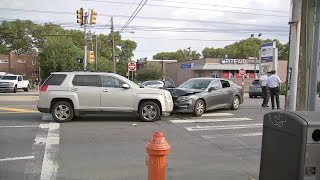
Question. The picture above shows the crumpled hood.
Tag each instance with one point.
(176, 92)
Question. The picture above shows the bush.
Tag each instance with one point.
(283, 89)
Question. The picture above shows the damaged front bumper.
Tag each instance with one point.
(183, 106)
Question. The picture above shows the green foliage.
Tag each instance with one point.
(180, 55)
(149, 73)
(283, 89)
(244, 49)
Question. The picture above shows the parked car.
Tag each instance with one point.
(66, 94)
(157, 84)
(255, 89)
(12, 83)
(198, 95)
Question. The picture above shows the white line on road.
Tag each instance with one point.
(31, 126)
(211, 120)
(47, 117)
(233, 135)
(50, 166)
(217, 114)
(222, 127)
(17, 158)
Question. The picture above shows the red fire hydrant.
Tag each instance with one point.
(158, 148)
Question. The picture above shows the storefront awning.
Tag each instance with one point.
(215, 66)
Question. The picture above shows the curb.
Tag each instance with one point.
(20, 94)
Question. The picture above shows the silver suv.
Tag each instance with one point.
(66, 94)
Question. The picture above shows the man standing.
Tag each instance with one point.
(273, 82)
(265, 90)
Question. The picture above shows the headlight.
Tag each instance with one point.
(167, 95)
(184, 98)
(12, 84)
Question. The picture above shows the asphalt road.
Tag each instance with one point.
(222, 144)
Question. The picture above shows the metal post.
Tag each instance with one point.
(255, 64)
(85, 41)
(113, 48)
(275, 57)
(260, 62)
(314, 62)
(96, 56)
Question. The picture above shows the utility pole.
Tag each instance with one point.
(96, 56)
(292, 75)
(315, 59)
(85, 41)
(189, 52)
(113, 48)
(307, 15)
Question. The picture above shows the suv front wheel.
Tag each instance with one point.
(62, 111)
(149, 111)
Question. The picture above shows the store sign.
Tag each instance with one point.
(267, 51)
(234, 61)
(186, 66)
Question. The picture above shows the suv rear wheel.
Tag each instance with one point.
(149, 111)
(62, 111)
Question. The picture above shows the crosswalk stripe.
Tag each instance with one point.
(233, 135)
(211, 120)
(217, 114)
(222, 127)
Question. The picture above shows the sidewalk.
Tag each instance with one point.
(21, 93)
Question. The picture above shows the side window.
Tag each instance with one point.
(86, 80)
(225, 84)
(19, 78)
(109, 81)
(216, 84)
(55, 79)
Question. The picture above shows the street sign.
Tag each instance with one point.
(132, 66)
(242, 72)
(267, 51)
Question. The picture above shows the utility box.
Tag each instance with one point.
(290, 146)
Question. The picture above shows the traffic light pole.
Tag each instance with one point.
(85, 42)
(96, 56)
(113, 48)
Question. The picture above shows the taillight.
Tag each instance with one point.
(43, 88)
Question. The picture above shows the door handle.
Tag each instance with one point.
(106, 90)
(74, 89)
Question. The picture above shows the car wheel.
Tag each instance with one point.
(199, 108)
(149, 111)
(26, 89)
(15, 89)
(62, 111)
(235, 103)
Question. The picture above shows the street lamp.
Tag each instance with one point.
(255, 56)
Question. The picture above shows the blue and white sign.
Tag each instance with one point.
(186, 66)
(267, 51)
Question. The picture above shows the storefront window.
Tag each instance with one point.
(215, 75)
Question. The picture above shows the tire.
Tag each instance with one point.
(26, 89)
(62, 111)
(15, 89)
(199, 108)
(149, 112)
(235, 103)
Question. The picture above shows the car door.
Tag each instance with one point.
(113, 96)
(214, 97)
(20, 82)
(227, 92)
(87, 88)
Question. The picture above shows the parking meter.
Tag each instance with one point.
(290, 146)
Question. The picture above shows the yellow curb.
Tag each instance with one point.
(18, 110)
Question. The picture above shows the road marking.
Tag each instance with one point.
(211, 120)
(17, 109)
(18, 112)
(16, 158)
(217, 114)
(233, 135)
(222, 127)
(49, 165)
(47, 117)
(32, 126)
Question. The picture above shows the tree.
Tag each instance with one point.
(180, 55)
(58, 54)
(149, 73)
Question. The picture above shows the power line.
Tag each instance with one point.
(215, 5)
(130, 7)
(192, 8)
(124, 27)
(132, 13)
(211, 40)
(140, 17)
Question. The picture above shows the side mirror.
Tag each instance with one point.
(212, 89)
(125, 86)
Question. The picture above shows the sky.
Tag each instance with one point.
(165, 25)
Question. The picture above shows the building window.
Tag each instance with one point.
(4, 61)
(34, 62)
(22, 61)
(215, 75)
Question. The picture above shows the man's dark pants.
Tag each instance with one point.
(274, 92)
(265, 95)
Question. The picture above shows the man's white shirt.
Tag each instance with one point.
(263, 80)
(273, 81)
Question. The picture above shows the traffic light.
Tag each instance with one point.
(93, 17)
(80, 16)
(91, 57)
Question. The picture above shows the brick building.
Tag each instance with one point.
(25, 65)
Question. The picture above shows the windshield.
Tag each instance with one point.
(9, 78)
(196, 84)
